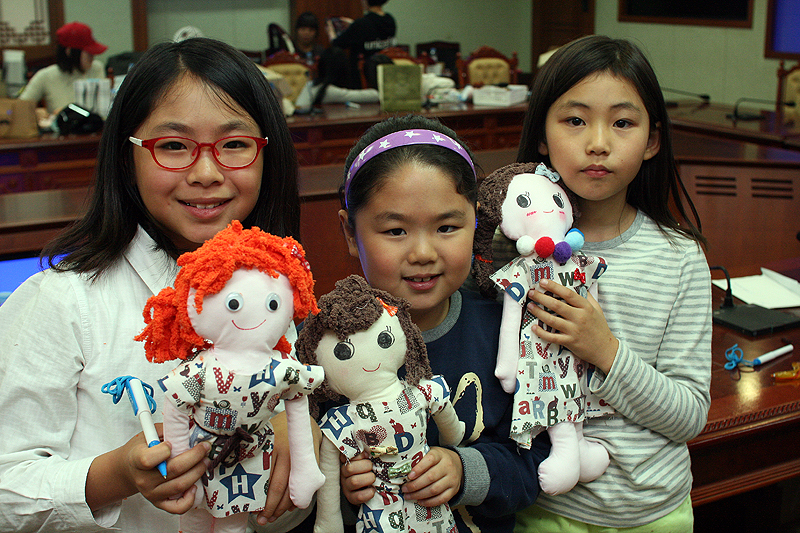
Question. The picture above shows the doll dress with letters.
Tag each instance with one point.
(218, 402)
(394, 432)
(552, 384)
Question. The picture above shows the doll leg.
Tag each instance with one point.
(197, 521)
(594, 456)
(235, 523)
(561, 470)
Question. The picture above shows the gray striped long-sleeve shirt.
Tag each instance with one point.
(656, 297)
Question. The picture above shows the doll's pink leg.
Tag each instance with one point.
(305, 476)
(561, 470)
(197, 521)
(236, 523)
(594, 456)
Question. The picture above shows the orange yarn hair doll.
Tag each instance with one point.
(233, 300)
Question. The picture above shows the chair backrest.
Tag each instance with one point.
(788, 91)
(487, 66)
(294, 70)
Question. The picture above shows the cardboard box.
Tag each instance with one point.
(500, 96)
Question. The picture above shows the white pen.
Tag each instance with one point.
(769, 356)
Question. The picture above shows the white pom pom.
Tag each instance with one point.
(525, 245)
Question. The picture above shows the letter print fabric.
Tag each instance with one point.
(218, 402)
(552, 384)
(394, 433)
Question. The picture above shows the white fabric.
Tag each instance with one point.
(61, 339)
(57, 87)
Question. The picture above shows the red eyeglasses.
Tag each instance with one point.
(180, 153)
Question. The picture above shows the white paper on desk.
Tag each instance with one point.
(769, 289)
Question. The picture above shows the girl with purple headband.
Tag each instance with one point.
(408, 214)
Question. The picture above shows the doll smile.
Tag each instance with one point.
(248, 329)
(534, 212)
(375, 370)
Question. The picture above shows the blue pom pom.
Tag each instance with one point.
(563, 252)
(575, 239)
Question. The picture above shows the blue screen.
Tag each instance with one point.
(14, 271)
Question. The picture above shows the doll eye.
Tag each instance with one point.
(558, 200)
(234, 301)
(273, 302)
(344, 350)
(524, 200)
(385, 338)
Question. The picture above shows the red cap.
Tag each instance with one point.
(78, 35)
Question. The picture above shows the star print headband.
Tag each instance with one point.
(403, 138)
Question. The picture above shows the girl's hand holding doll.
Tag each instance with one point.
(576, 322)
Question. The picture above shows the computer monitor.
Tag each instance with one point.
(14, 271)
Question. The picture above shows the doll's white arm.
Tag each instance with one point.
(329, 511)
(508, 345)
(451, 429)
(305, 476)
(176, 428)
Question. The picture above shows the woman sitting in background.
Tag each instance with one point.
(74, 61)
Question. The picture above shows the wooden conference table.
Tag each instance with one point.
(753, 429)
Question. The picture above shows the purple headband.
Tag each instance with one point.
(403, 138)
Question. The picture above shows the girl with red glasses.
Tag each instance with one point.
(195, 139)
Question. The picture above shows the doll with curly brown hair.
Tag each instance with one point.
(362, 336)
(233, 300)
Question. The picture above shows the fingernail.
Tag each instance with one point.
(261, 521)
(206, 445)
(544, 282)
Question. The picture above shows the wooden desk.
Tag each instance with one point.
(744, 179)
(753, 429)
(52, 162)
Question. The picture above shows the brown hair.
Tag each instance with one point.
(354, 306)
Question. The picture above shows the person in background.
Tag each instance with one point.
(306, 31)
(75, 60)
(364, 36)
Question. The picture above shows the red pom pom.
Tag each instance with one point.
(544, 247)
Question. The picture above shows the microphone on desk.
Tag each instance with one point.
(702, 96)
(752, 116)
(750, 318)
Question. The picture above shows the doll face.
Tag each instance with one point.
(251, 312)
(366, 360)
(536, 207)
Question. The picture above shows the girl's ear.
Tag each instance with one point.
(349, 233)
(653, 142)
(543, 148)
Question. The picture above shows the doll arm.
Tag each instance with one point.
(329, 511)
(305, 476)
(176, 428)
(451, 429)
(508, 345)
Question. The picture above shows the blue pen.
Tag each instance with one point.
(141, 396)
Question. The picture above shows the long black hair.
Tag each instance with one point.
(658, 186)
(68, 59)
(116, 208)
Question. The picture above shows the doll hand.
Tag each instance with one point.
(357, 479)
(132, 468)
(435, 479)
(577, 323)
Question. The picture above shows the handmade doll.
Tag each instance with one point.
(234, 298)
(549, 383)
(361, 337)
